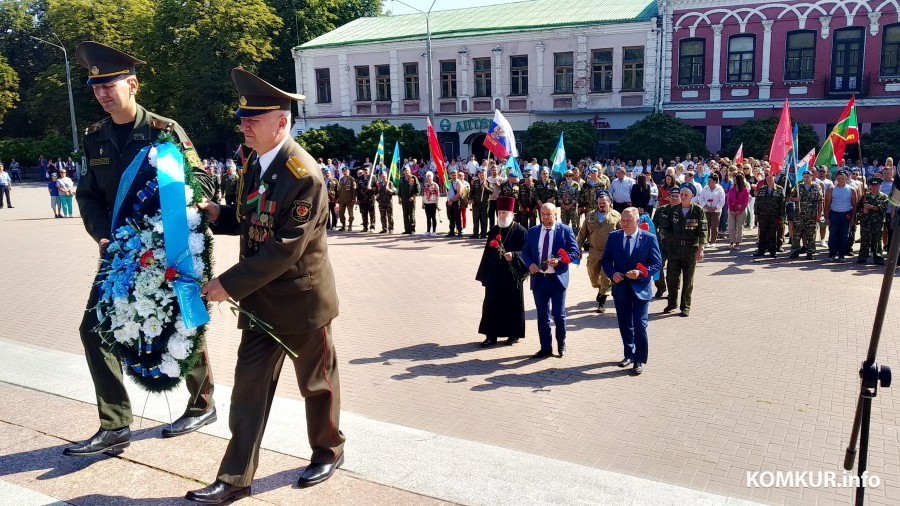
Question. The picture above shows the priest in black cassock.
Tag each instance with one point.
(501, 272)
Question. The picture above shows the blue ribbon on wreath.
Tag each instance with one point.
(125, 186)
(173, 203)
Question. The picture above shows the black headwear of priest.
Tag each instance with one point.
(259, 97)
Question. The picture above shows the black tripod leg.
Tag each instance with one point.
(863, 449)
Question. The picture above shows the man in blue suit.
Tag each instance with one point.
(630, 260)
(550, 275)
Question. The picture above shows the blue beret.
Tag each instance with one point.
(688, 186)
(600, 193)
(842, 172)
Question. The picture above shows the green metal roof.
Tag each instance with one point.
(530, 15)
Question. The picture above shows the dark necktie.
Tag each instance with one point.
(254, 175)
(628, 245)
(545, 256)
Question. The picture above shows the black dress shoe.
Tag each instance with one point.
(562, 351)
(217, 493)
(759, 254)
(601, 303)
(342, 229)
(637, 370)
(669, 308)
(660, 294)
(489, 341)
(795, 255)
(383, 231)
(187, 424)
(317, 473)
(512, 340)
(626, 362)
(101, 442)
(541, 354)
(684, 314)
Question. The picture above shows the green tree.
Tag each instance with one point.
(192, 47)
(413, 143)
(9, 88)
(883, 141)
(330, 141)
(757, 135)
(660, 135)
(541, 139)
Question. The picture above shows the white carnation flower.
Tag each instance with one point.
(169, 366)
(158, 227)
(152, 156)
(188, 194)
(198, 268)
(196, 243)
(179, 347)
(152, 327)
(144, 306)
(147, 238)
(181, 329)
(193, 217)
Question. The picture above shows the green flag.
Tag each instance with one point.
(394, 174)
(845, 132)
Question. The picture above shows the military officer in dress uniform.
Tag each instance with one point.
(284, 278)
(528, 207)
(110, 146)
(346, 198)
(408, 191)
(685, 229)
(366, 197)
(592, 237)
(663, 214)
(769, 209)
(386, 192)
(480, 195)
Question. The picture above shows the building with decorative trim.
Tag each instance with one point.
(592, 60)
(728, 61)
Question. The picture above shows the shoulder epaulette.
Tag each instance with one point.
(95, 127)
(296, 167)
(161, 124)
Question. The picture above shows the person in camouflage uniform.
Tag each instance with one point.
(769, 210)
(587, 202)
(366, 198)
(567, 200)
(527, 215)
(662, 215)
(685, 232)
(510, 188)
(545, 189)
(809, 202)
(480, 194)
(386, 192)
(346, 198)
(331, 186)
(592, 237)
(871, 212)
(408, 191)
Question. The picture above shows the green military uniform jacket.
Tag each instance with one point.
(331, 185)
(347, 190)
(107, 161)
(283, 276)
(386, 191)
(595, 233)
(769, 205)
(480, 192)
(587, 196)
(527, 198)
(545, 191)
(810, 199)
(508, 189)
(873, 220)
(567, 194)
(684, 232)
(662, 215)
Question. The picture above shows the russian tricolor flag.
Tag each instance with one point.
(500, 139)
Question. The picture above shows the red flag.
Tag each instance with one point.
(436, 153)
(782, 143)
(739, 156)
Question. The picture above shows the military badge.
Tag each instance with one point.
(296, 167)
(301, 211)
(192, 158)
(94, 70)
(243, 101)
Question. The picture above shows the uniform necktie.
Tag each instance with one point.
(628, 244)
(545, 255)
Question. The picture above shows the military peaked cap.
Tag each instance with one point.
(104, 63)
(875, 180)
(259, 97)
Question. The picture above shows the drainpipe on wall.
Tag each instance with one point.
(661, 24)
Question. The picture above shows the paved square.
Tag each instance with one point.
(761, 377)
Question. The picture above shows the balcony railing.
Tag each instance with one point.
(844, 86)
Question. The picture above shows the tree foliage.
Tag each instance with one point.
(757, 135)
(660, 135)
(330, 141)
(27, 151)
(413, 143)
(541, 138)
(883, 141)
(9, 88)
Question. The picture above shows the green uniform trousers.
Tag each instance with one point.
(805, 229)
(346, 207)
(409, 215)
(259, 364)
(105, 366)
(595, 272)
(570, 218)
(870, 241)
(480, 219)
(661, 282)
(387, 215)
(681, 264)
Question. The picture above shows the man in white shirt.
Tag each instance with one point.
(689, 179)
(620, 190)
(712, 200)
(472, 166)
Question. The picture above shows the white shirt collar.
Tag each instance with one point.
(266, 159)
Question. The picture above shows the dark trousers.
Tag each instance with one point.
(430, 218)
(387, 215)
(838, 233)
(367, 210)
(681, 265)
(409, 215)
(547, 291)
(631, 312)
(259, 364)
(113, 403)
(454, 217)
(4, 190)
(332, 215)
(480, 219)
(527, 219)
(661, 282)
(768, 234)
(231, 199)
(492, 212)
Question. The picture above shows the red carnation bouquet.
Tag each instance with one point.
(643, 270)
(497, 244)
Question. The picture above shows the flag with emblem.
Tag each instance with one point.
(739, 156)
(394, 174)
(845, 132)
(559, 160)
(379, 153)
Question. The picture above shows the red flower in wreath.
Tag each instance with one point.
(564, 257)
(171, 274)
(147, 259)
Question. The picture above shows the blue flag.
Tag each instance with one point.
(513, 167)
(559, 160)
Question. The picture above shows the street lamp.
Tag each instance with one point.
(69, 83)
(427, 56)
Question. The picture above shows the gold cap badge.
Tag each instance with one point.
(94, 70)
(243, 101)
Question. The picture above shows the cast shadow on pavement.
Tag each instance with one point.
(105, 500)
(54, 462)
(419, 352)
(538, 381)
(459, 372)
